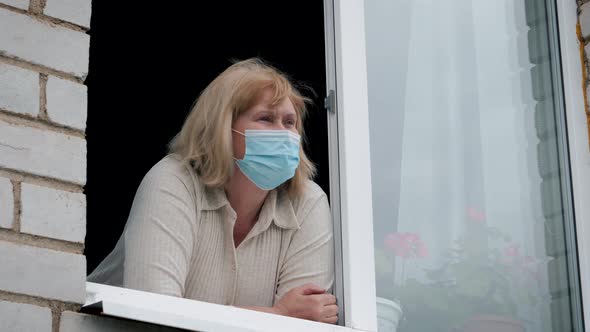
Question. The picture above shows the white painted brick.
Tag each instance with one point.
(74, 322)
(22, 4)
(75, 11)
(21, 317)
(6, 203)
(67, 102)
(587, 51)
(43, 152)
(43, 272)
(53, 213)
(19, 90)
(52, 46)
(585, 20)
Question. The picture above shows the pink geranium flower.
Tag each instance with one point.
(406, 245)
(475, 216)
(512, 251)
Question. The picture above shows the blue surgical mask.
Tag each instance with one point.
(271, 157)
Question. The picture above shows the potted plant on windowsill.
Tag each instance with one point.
(400, 246)
(484, 290)
(480, 285)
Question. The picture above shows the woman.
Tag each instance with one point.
(258, 235)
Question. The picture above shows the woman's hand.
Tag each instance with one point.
(308, 302)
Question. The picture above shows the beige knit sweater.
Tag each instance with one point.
(179, 241)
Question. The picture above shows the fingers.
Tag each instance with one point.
(331, 320)
(327, 299)
(327, 311)
(310, 289)
(309, 302)
(331, 310)
(330, 314)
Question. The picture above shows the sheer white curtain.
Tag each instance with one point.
(453, 143)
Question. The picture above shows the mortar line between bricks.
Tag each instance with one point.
(18, 62)
(41, 242)
(37, 300)
(16, 191)
(36, 6)
(58, 308)
(37, 123)
(55, 318)
(24, 177)
(46, 19)
(43, 97)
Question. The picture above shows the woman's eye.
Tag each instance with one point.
(290, 122)
(266, 119)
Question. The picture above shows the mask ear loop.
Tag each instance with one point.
(236, 159)
(238, 132)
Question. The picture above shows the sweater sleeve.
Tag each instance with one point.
(160, 234)
(310, 256)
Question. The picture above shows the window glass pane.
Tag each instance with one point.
(467, 185)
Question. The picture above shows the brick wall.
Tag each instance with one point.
(584, 36)
(44, 47)
(43, 63)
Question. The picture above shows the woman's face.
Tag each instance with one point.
(264, 116)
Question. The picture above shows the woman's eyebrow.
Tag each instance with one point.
(286, 111)
(263, 111)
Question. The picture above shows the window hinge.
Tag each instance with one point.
(330, 102)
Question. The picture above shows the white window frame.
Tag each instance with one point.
(350, 182)
(350, 162)
(352, 130)
(579, 150)
(190, 314)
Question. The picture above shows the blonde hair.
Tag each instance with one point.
(205, 140)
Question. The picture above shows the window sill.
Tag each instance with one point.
(190, 314)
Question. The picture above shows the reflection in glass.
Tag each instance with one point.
(467, 197)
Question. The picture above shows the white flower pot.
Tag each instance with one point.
(389, 314)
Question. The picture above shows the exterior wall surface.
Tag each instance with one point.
(44, 47)
(584, 37)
